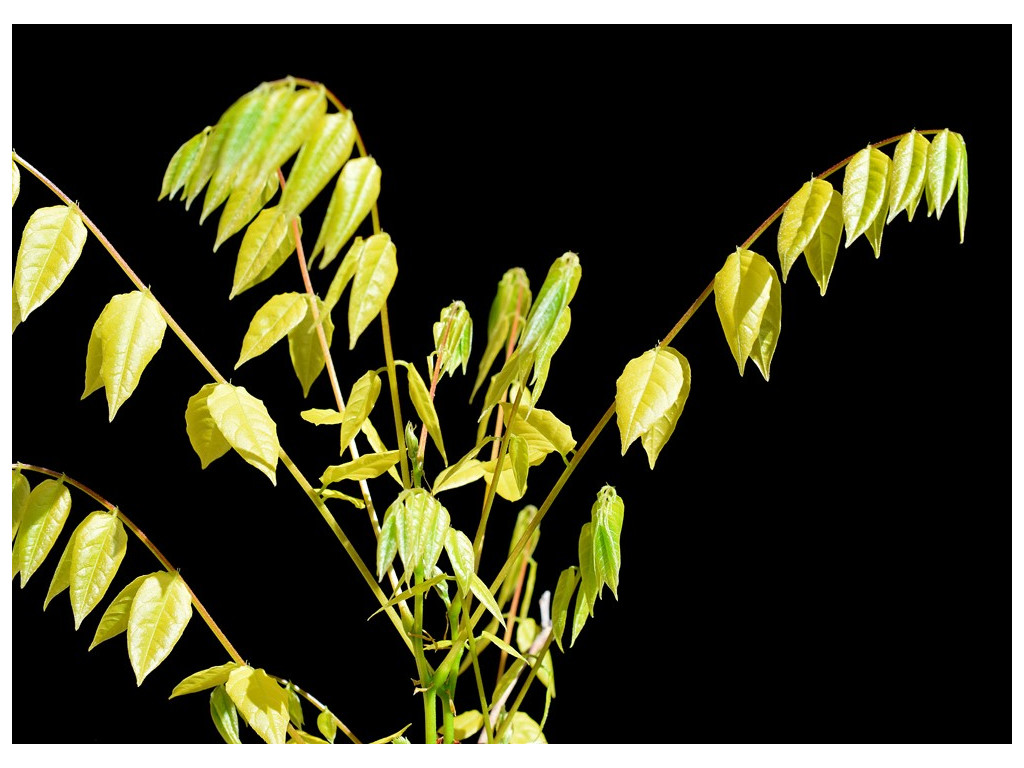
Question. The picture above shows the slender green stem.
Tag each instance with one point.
(526, 686)
(430, 715)
(492, 487)
(323, 708)
(480, 684)
(447, 716)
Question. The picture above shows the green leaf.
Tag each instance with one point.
(748, 296)
(466, 470)
(183, 164)
(325, 722)
(422, 524)
(62, 575)
(524, 730)
(510, 307)
(865, 190)
(460, 554)
(547, 426)
(305, 349)
(424, 406)
(909, 164)
(654, 439)
(271, 323)
(526, 633)
(295, 708)
(387, 542)
(306, 738)
(94, 360)
(261, 701)
(459, 342)
(377, 445)
(606, 516)
(321, 416)
(115, 619)
(374, 278)
(354, 197)
(647, 389)
(823, 248)
(546, 350)
(45, 512)
(364, 468)
(327, 147)
(515, 368)
(15, 182)
(127, 334)
(961, 187)
(523, 521)
(203, 432)
(519, 461)
(580, 614)
(800, 221)
(560, 604)
(20, 491)
(50, 246)
(554, 296)
(100, 544)
(502, 644)
(423, 586)
(483, 594)
(591, 582)
(332, 494)
(263, 240)
(245, 424)
(874, 232)
(466, 724)
(360, 403)
(224, 714)
(945, 155)
(204, 679)
(159, 614)
(344, 273)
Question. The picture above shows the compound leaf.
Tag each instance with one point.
(327, 147)
(159, 614)
(50, 246)
(945, 155)
(183, 164)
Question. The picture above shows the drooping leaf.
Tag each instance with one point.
(422, 524)
(204, 679)
(333, 494)
(526, 633)
(20, 491)
(375, 275)
(115, 619)
(514, 370)
(129, 332)
(50, 246)
(580, 614)
(261, 701)
(466, 470)
(327, 147)
(295, 709)
(657, 435)
(377, 445)
(466, 724)
(321, 416)
(203, 432)
(100, 543)
(483, 594)
(245, 424)
(507, 487)
(458, 344)
(747, 296)
(874, 232)
(945, 155)
(560, 604)
(15, 312)
(354, 197)
(62, 575)
(224, 715)
(269, 232)
(523, 521)
(510, 307)
(606, 516)
(364, 468)
(525, 730)
(420, 588)
(306, 738)
(646, 391)
(159, 614)
(502, 644)
(909, 164)
(387, 542)
(424, 406)
(325, 722)
(344, 273)
(94, 360)
(800, 221)
(45, 512)
(546, 350)
(557, 433)
(280, 256)
(823, 248)
(591, 584)
(865, 190)
(519, 461)
(360, 403)
(554, 296)
(271, 323)
(304, 346)
(961, 187)
(15, 182)
(460, 554)
(183, 164)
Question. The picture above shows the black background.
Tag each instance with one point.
(824, 558)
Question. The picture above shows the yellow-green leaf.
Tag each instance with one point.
(204, 679)
(344, 273)
(460, 554)
(280, 256)
(354, 197)
(261, 701)
(466, 724)
(823, 248)
(961, 186)
(94, 360)
(510, 307)
(20, 491)
(129, 332)
(800, 221)
(321, 416)
(295, 712)
(606, 516)
(15, 182)
(865, 190)
(375, 275)
(183, 164)
(271, 323)
(422, 523)
(325, 722)
(50, 246)
(466, 470)
(483, 594)
(515, 368)
(62, 575)
(654, 439)
(508, 488)
(424, 406)
(525, 730)
(646, 390)
(560, 604)
(115, 619)
(501, 644)
(519, 460)
(945, 155)
(591, 584)
(458, 344)
(551, 428)
(245, 424)
(546, 350)
(327, 147)
(263, 240)
(874, 232)
(747, 294)
(332, 494)
(360, 403)
(100, 544)
(203, 432)
(387, 542)
(15, 312)
(307, 738)
(305, 349)
(377, 445)
(364, 468)
(159, 614)
(419, 589)
(580, 615)
(224, 715)
(909, 165)
(45, 512)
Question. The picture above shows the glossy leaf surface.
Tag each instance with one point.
(204, 679)
(344, 273)
(800, 221)
(159, 614)
(646, 391)
(580, 614)
(271, 323)
(45, 513)
(657, 435)
(261, 701)
(62, 574)
(865, 191)
(455, 330)
(183, 164)
(560, 604)
(115, 619)
(375, 276)
(546, 350)
(224, 715)
(590, 582)
(304, 346)
(424, 405)
(50, 246)
(606, 515)
(466, 470)
(263, 239)
(554, 296)
(961, 187)
(15, 182)
(364, 468)
(100, 543)
(748, 295)
(822, 249)
(460, 554)
(322, 416)
(245, 424)
(203, 432)
(510, 307)
(466, 724)
(354, 196)
(909, 165)
(945, 155)
(327, 147)
(360, 403)
(525, 730)
(483, 594)
(20, 490)
(325, 722)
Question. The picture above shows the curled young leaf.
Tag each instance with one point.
(748, 297)
(50, 246)
(606, 516)
(555, 294)
(455, 331)
(159, 614)
(509, 309)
